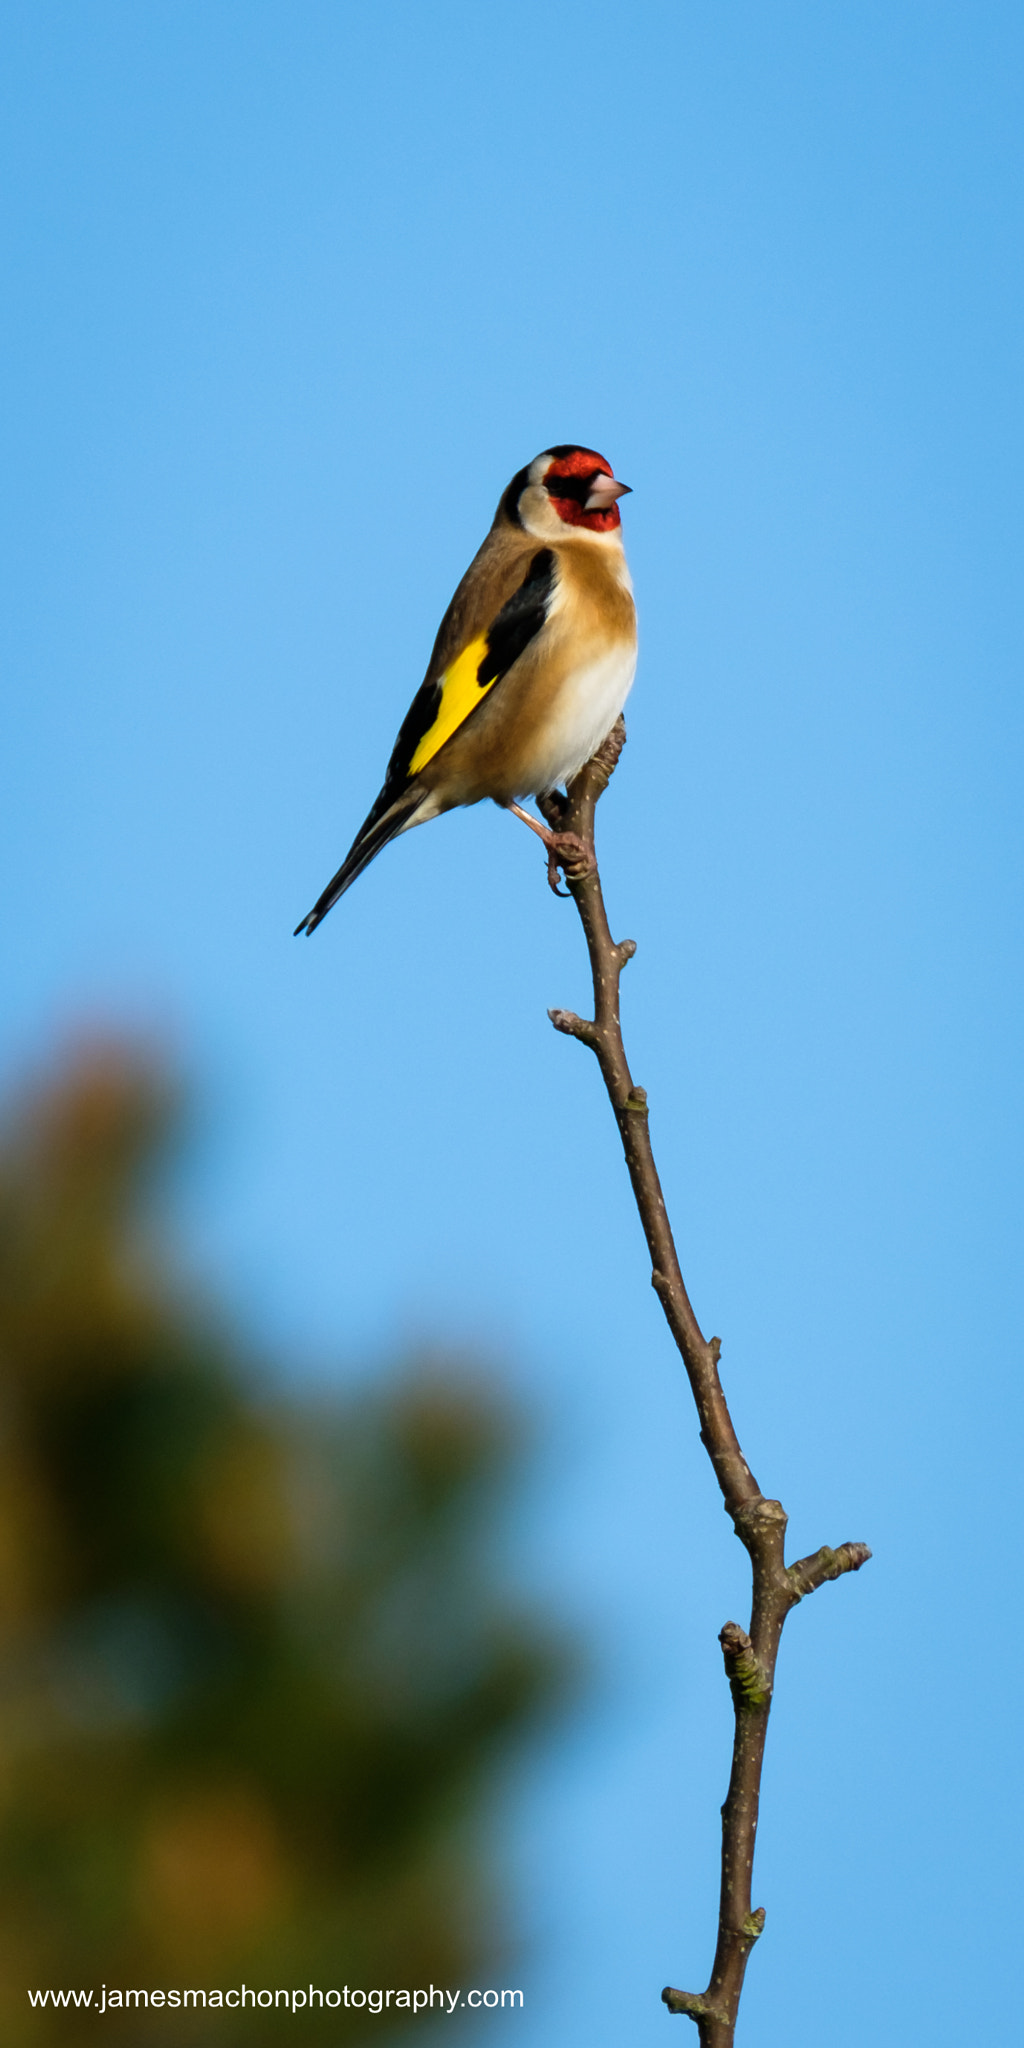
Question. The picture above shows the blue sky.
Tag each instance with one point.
(291, 292)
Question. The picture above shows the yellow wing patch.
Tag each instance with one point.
(460, 691)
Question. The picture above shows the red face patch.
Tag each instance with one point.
(578, 469)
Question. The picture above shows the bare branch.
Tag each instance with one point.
(760, 1523)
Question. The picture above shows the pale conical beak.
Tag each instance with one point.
(603, 492)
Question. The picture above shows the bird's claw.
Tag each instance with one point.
(566, 850)
(553, 875)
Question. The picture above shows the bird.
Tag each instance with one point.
(531, 666)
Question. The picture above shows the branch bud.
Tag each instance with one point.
(573, 1026)
(751, 1685)
(691, 2003)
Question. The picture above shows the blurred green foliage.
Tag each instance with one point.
(254, 1675)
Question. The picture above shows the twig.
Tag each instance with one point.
(760, 1523)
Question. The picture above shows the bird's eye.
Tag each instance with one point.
(576, 488)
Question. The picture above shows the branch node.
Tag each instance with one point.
(625, 950)
(811, 1572)
(715, 1351)
(750, 1681)
(753, 1925)
(636, 1101)
(758, 1515)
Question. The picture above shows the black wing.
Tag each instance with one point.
(517, 623)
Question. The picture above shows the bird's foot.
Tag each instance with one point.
(552, 805)
(566, 850)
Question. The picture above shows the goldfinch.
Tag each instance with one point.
(531, 666)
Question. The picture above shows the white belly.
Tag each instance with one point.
(587, 706)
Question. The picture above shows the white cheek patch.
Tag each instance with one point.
(539, 516)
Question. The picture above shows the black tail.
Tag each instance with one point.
(389, 816)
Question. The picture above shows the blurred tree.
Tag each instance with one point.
(254, 1674)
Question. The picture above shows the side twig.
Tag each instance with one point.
(760, 1523)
